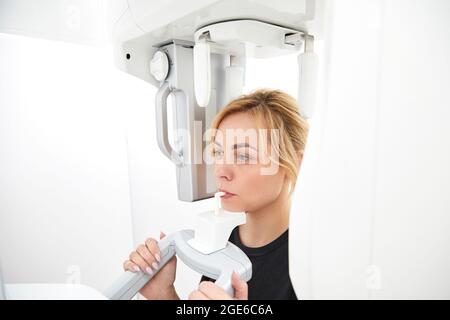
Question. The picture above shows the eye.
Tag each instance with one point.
(217, 153)
(243, 158)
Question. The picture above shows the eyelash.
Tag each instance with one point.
(247, 157)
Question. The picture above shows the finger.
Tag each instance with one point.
(213, 291)
(240, 287)
(145, 253)
(137, 259)
(161, 235)
(130, 266)
(153, 247)
(197, 295)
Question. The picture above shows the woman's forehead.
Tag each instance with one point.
(240, 120)
(242, 130)
(235, 138)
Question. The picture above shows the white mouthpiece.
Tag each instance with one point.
(217, 196)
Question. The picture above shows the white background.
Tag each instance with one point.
(82, 180)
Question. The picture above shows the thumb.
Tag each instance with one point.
(240, 287)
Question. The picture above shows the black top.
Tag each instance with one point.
(270, 269)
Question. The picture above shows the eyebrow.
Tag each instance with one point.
(238, 145)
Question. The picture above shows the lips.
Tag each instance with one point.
(227, 194)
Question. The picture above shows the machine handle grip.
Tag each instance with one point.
(224, 281)
(162, 135)
(221, 263)
(129, 283)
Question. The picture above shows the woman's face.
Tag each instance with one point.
(249, 178)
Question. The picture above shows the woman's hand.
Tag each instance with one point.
(146, 258)
(207, 290)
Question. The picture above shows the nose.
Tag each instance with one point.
(223, 172)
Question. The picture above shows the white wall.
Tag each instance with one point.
(64, 183)
(371, 214)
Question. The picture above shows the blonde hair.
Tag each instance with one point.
(273, 109)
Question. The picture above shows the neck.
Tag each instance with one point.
(266, 224)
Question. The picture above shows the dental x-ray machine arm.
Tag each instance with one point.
(219, 265)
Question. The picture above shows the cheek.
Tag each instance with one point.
(258, 190)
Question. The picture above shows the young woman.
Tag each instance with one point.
(258, 176)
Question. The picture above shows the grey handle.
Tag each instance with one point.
(162, 135)
(224, 281)
(219, 265)
(129, 284)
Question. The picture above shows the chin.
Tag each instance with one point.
(232, 208)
